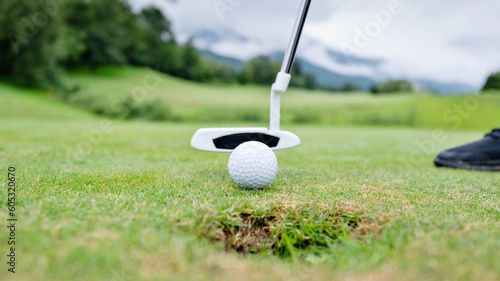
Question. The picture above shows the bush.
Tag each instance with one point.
(350, 87)
(493, 82)
(392, 86)
(155, 110)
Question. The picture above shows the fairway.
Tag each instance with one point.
(116, 200)
(111, 88)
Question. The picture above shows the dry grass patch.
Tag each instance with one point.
(288, 231)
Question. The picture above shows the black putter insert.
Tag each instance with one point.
(232, 141)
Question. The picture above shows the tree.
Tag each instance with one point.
(154, 20)
(259, 70)
(310, 82)
(392, 86)
(350, 87)
(493, 82)
(190, 62)
(102, 29)
(223, 73)
(297, 69)
(30, 44)
(154, 43)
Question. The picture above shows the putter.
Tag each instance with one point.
(227, 139)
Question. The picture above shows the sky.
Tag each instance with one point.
(444, 40)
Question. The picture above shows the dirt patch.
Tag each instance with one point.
(287, 231)
(248, 234)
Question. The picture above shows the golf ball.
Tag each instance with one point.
(253, 165)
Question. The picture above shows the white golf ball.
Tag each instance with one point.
(253, 165)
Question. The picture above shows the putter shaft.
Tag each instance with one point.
(294, 42)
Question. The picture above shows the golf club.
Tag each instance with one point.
(227, 139)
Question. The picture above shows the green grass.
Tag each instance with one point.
(108, 91)
(21, 103)
(136, 202)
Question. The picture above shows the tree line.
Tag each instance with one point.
(493, 82)
(39, 39)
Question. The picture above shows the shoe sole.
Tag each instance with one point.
(493, 166)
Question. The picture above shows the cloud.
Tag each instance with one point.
(443, 40)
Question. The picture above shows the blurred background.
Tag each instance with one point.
(377, 63)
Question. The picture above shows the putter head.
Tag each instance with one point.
(227, 139)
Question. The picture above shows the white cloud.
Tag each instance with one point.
(443, 40)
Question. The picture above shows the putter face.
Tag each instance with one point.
(227, 139)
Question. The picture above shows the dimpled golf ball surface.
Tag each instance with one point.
(253, 165)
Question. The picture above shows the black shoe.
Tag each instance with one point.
(483, 155)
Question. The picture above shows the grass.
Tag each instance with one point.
(299, 232)
(111, 91)
(133, 201)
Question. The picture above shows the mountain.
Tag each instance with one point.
(232, 62)
(332, 68)
(327, 78)
(330, 79)
(445, 88)
(335, 80)
(209, 37)
(344, 59)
